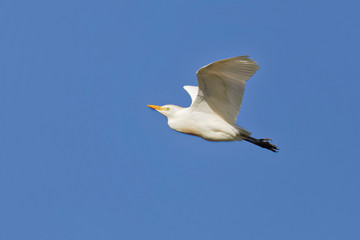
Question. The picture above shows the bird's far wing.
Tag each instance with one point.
(222, 85)
(192, 91)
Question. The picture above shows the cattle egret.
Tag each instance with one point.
(216, 103)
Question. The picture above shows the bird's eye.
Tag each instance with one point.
(167, 108)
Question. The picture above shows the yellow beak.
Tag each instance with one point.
(155, 107)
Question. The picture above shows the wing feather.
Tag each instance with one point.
(222, 85)
(192, 91)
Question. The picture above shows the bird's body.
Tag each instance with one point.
(215, 103)
(192, 122)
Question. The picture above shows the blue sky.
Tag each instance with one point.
(82, 157)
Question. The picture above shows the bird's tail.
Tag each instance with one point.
(263, 142)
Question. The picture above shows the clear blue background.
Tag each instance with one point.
(82, 157)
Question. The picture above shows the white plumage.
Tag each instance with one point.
(216, 103)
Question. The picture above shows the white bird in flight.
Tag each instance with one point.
(216, 103)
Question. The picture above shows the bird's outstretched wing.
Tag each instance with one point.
(222, 85)
(192, 91)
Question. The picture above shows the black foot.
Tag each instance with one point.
(263, 142)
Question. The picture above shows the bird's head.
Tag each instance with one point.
(167, 110)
